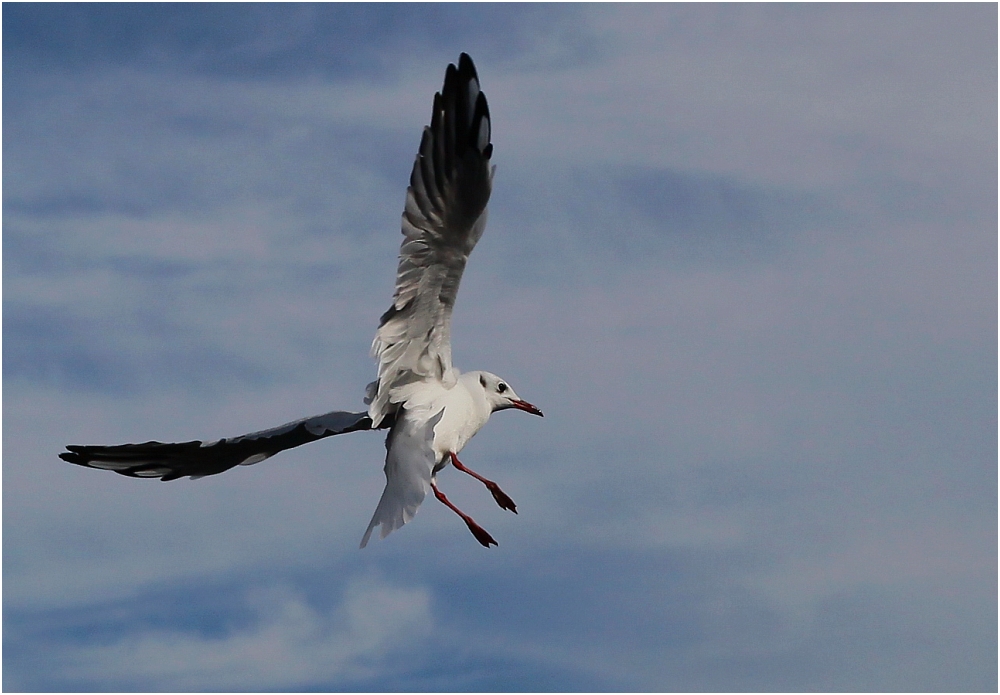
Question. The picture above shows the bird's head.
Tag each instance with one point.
(501, 396)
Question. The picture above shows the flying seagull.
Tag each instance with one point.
(430, 408)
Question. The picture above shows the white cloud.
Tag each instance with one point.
(288, 643)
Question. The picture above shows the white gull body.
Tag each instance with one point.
(435, 423)
(431, 408)
(436, 409)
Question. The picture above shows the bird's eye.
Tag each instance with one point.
(501, 387)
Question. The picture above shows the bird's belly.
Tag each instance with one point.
(450, 442)
(452, 433)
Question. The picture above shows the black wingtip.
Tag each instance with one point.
(466, 66)
(76, 453)
(462, 100)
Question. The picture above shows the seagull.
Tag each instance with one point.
(430, 408)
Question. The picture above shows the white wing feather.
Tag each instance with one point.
(444, 217)
(409, 465)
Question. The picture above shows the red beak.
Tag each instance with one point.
(527, 407)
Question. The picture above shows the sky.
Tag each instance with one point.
(743, 257)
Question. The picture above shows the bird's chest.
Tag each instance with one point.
(459, 422)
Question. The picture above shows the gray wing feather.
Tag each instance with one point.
(198, 459)
(409, 465)
(444, 217)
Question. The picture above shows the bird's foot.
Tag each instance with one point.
(501, 497)
(481, 534)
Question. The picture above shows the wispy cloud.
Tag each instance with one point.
(278, 627)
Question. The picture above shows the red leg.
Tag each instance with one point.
(499, 495)
(478, 531)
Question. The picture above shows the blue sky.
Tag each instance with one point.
(743, 257)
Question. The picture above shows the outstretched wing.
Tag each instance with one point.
(444, 217)
(198, 459)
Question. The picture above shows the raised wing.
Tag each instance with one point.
(409, 465)
(198, 459)
(444, 217)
